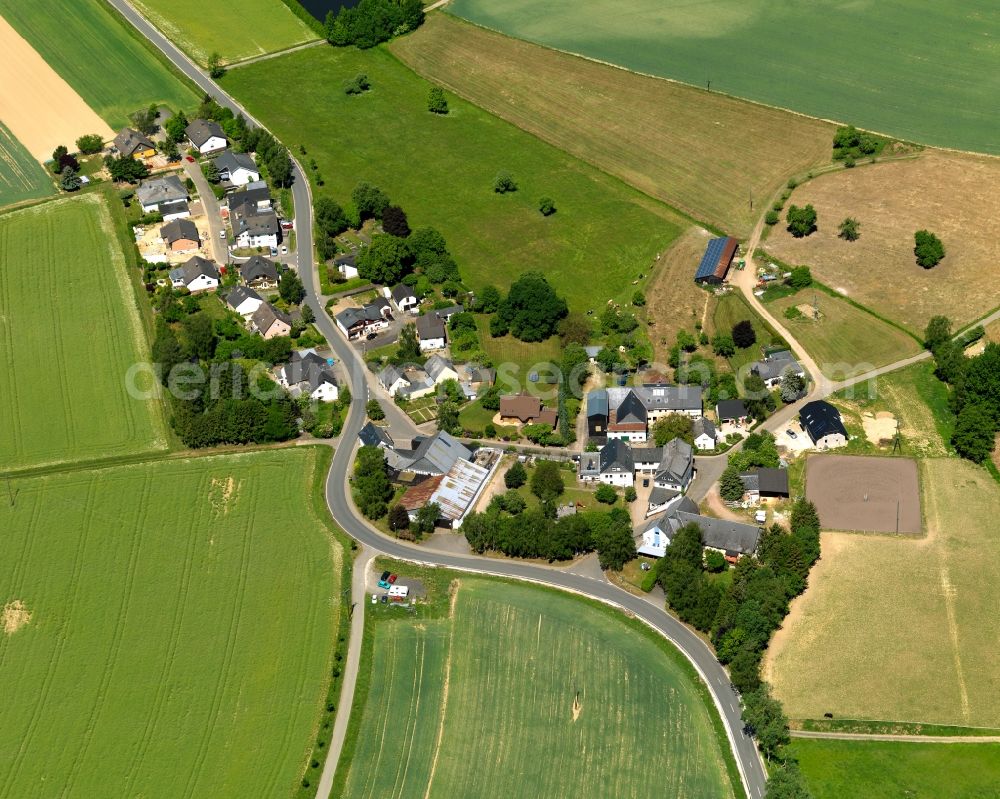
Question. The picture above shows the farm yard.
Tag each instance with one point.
(701, 152)
(21, 176)
(938, 191)
(128, 75)
(521, 691)
(602, 237)
(192, 623)
(70, 331)
(876, 68)
(901, 629)
(899, 769)
(201, 27)
(844, 340)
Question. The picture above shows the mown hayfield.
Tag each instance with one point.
(899, 629)
(441, 170)
(936, 191)
(698, 151)
(899, 770)
(69, 330)
(21, 176)
(127, 75)
(845, 340)
(483, 704)
(169, 628)
(234, 31)
(914, 68)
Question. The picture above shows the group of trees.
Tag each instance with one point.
(371, 22)
(975, 389)
(759, 450)
(849, 144)
(67, 167)
(531, 310)
(372, 487)
(928, 249)
(801, 221)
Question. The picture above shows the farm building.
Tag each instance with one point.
(660, 399)
(455, 492)
(765, 483)
(628, 420)
(676, 468)
(823, 424)
(775, 366)
(434, 455)
(597, 414)
(715, 262)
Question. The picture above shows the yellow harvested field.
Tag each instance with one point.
(897, 629)
(39, 107)
(946, 193)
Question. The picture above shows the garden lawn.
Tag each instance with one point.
(699, 151)
(902, 628)
(913, 68)
(898, 770)
(21, 176)
(441, 170)
(732, 308)
(70, 331)
(127, 75)
(525, 692)
(234, 31)
(182, 611)
(845, 340)
(515, 361)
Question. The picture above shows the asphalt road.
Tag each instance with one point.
(695, 649)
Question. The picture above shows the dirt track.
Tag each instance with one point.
(39, 107)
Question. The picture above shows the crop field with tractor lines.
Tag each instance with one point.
(168, 628)
(21, 176)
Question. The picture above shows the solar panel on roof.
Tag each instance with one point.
(711, 259)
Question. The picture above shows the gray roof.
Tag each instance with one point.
(352, 315)
(239, 294)
(201, 130)
(265, 316)
(348, 259)
(451, 310)
(401, 291)
(731, 409)
(178, 229)
(246, 201)
(821, 419)
(128, 141)
(433, 455)
(631, 410)
(436, 365)
(373, 436)
(389, 375)
(257, 223)
(660, 397)
(597, 403)
(429, 327)
(193, 268)
(660, 496)
(616, 456)
(705, 426)
(230, 162)
(766, 480)
(307, 369)
(677, 462)
(258, 267)
(734, 538)
(166, 189)
(647, 454)
(776, 366)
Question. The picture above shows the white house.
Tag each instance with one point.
(307, 373)
(244, 300)
(403, 297)
(411, 383)
(676, 468)
(164, 195)
(705, 434)
(256, 228)
(238, 169)
(346, 265)
(430, 332)
(628, 420)
(357, 322)
(206, 136)
(823, 424)
(775, 366)
(198, 274)
(440, 369)
(732, 539)
(613, 465)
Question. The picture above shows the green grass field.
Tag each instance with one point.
(70, 330)
(125, 77)
(845, 340)
(21, 176)
(880, 770)
(732, 308)
(441, 171)
(482, 704)
(913, 69)
(182, 622)
(235, 32)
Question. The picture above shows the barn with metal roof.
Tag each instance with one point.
(715, 262)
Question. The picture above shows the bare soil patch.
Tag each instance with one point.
(880, 428)
(892, 200)
(15, 616)
(223, 492)
(864, 494)
(40, 108)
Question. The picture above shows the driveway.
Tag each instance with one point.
(217, 246)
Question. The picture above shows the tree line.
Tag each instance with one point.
(371, 22)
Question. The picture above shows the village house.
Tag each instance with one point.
(430, 332)
(131, 143)
(359, 322)
(647, 459)
(676, 468)
(206, 136)
(823, 424)
(237, 169)
(732, 411)
(775, 366)
(308, 374)
(255, 224)
(431, 455)
(259, 273)
(403, 298)
(526, 409)
(660, 399)
(409, 383)
(198, 274)
(164, 195)
(474, 378)
(180, 235)
(705, 434)
(244, 300)
(346, 265)
(660, 499)
(268, 322)
(613, 465)
(371, 435)
(732, 539)
(627, 421)
(440, 369)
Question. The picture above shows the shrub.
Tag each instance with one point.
(648, 581)
(800, 277)
(850, 229)
(547, 206)
(606, 494)
(772, 218)
(504, 183)
(715, 561)
(358, 84)
(374, 410)
(90, 143)
(791, 312)
(630, 494)
(436, 102)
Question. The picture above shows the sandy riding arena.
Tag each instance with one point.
(38, 106)
(880, 495)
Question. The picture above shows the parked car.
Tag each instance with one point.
(371, 336)
(374, 599)
(790, 433)
(393, 578)
(383, 581)
(222, 234)
(385, 599)
(274, 250)
(284, 249)
(190, 158)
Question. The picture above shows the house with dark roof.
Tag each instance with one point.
(775, 366)
(733, 411)
(133, 144)
(357, 322)
(823, 424)
(431, 332)
(612, 465)
(371, 435)
(244, 300)
(765, 483)
(237, 169)
(526, 409)
(705, 434)
(597, 415)
(308, 374)
(164, 195)
(715, 262)
(432, 455)
(268, 322)
(259, 273)
(206, 136)
(256, 228)
(732, 539)
(647, 458)
(403, 297)
(676, 467)
(198, 274)
(660, 499)
(347, 265)
(661, 399)
(180, 235)
(628, 419)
